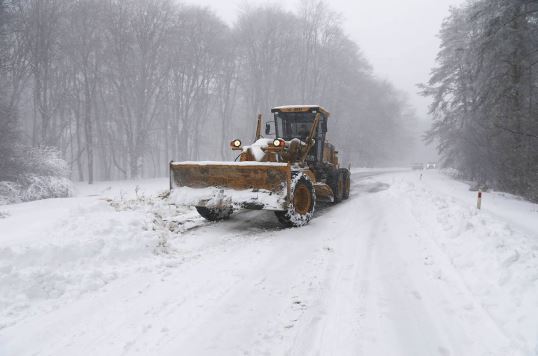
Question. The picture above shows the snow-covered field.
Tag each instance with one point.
(407, 266)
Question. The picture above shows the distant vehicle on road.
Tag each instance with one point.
(431, 165)
(417, 166)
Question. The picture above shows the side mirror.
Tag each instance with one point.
(267, 128)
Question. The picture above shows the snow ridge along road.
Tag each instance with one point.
(404, 267)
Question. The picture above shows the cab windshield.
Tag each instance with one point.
(294, 125)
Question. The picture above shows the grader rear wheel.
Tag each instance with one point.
(347, 183)
(337, 184)
(302, 203)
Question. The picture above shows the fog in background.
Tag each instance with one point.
(116, 89)
(399, 38)
(119, 88)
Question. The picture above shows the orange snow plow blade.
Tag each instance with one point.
(254, 185)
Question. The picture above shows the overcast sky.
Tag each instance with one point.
(398, 37)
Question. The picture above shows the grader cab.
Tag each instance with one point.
(287, 173)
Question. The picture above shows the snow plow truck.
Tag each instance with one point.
(287, 173)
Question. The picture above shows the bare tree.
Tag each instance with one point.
(83, 46)
(123, 86)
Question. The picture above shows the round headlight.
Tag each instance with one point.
(277, 142)
(236, 143)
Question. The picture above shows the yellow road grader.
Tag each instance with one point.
(287, 174)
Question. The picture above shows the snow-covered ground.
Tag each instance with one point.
(407, 266)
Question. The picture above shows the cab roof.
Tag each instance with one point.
(301, 108)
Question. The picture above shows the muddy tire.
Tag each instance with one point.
(302, 205)
(337, 184)
(215, 214)
(347, 182)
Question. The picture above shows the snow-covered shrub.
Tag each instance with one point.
(453, 172)
(474, 186)
(46, 162)
(45, 175)
(44, 187)
(9, 193)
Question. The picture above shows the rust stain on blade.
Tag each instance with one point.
(273, 178)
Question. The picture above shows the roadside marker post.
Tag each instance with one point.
(479, 201)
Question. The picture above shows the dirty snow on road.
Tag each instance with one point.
(406, 266)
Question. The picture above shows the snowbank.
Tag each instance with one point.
(54, 251)
(495, 249)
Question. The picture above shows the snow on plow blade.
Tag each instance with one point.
(251, 185)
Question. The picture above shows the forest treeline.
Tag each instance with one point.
(121, 87)
(485, 95)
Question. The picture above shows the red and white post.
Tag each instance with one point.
(479, 201)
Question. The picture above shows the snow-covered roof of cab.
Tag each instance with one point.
(301, 108)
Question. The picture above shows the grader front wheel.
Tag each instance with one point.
(302, 203)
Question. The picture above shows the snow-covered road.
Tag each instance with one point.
(406, 266)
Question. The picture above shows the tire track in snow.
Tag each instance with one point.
(333, 325)
(359, 280)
